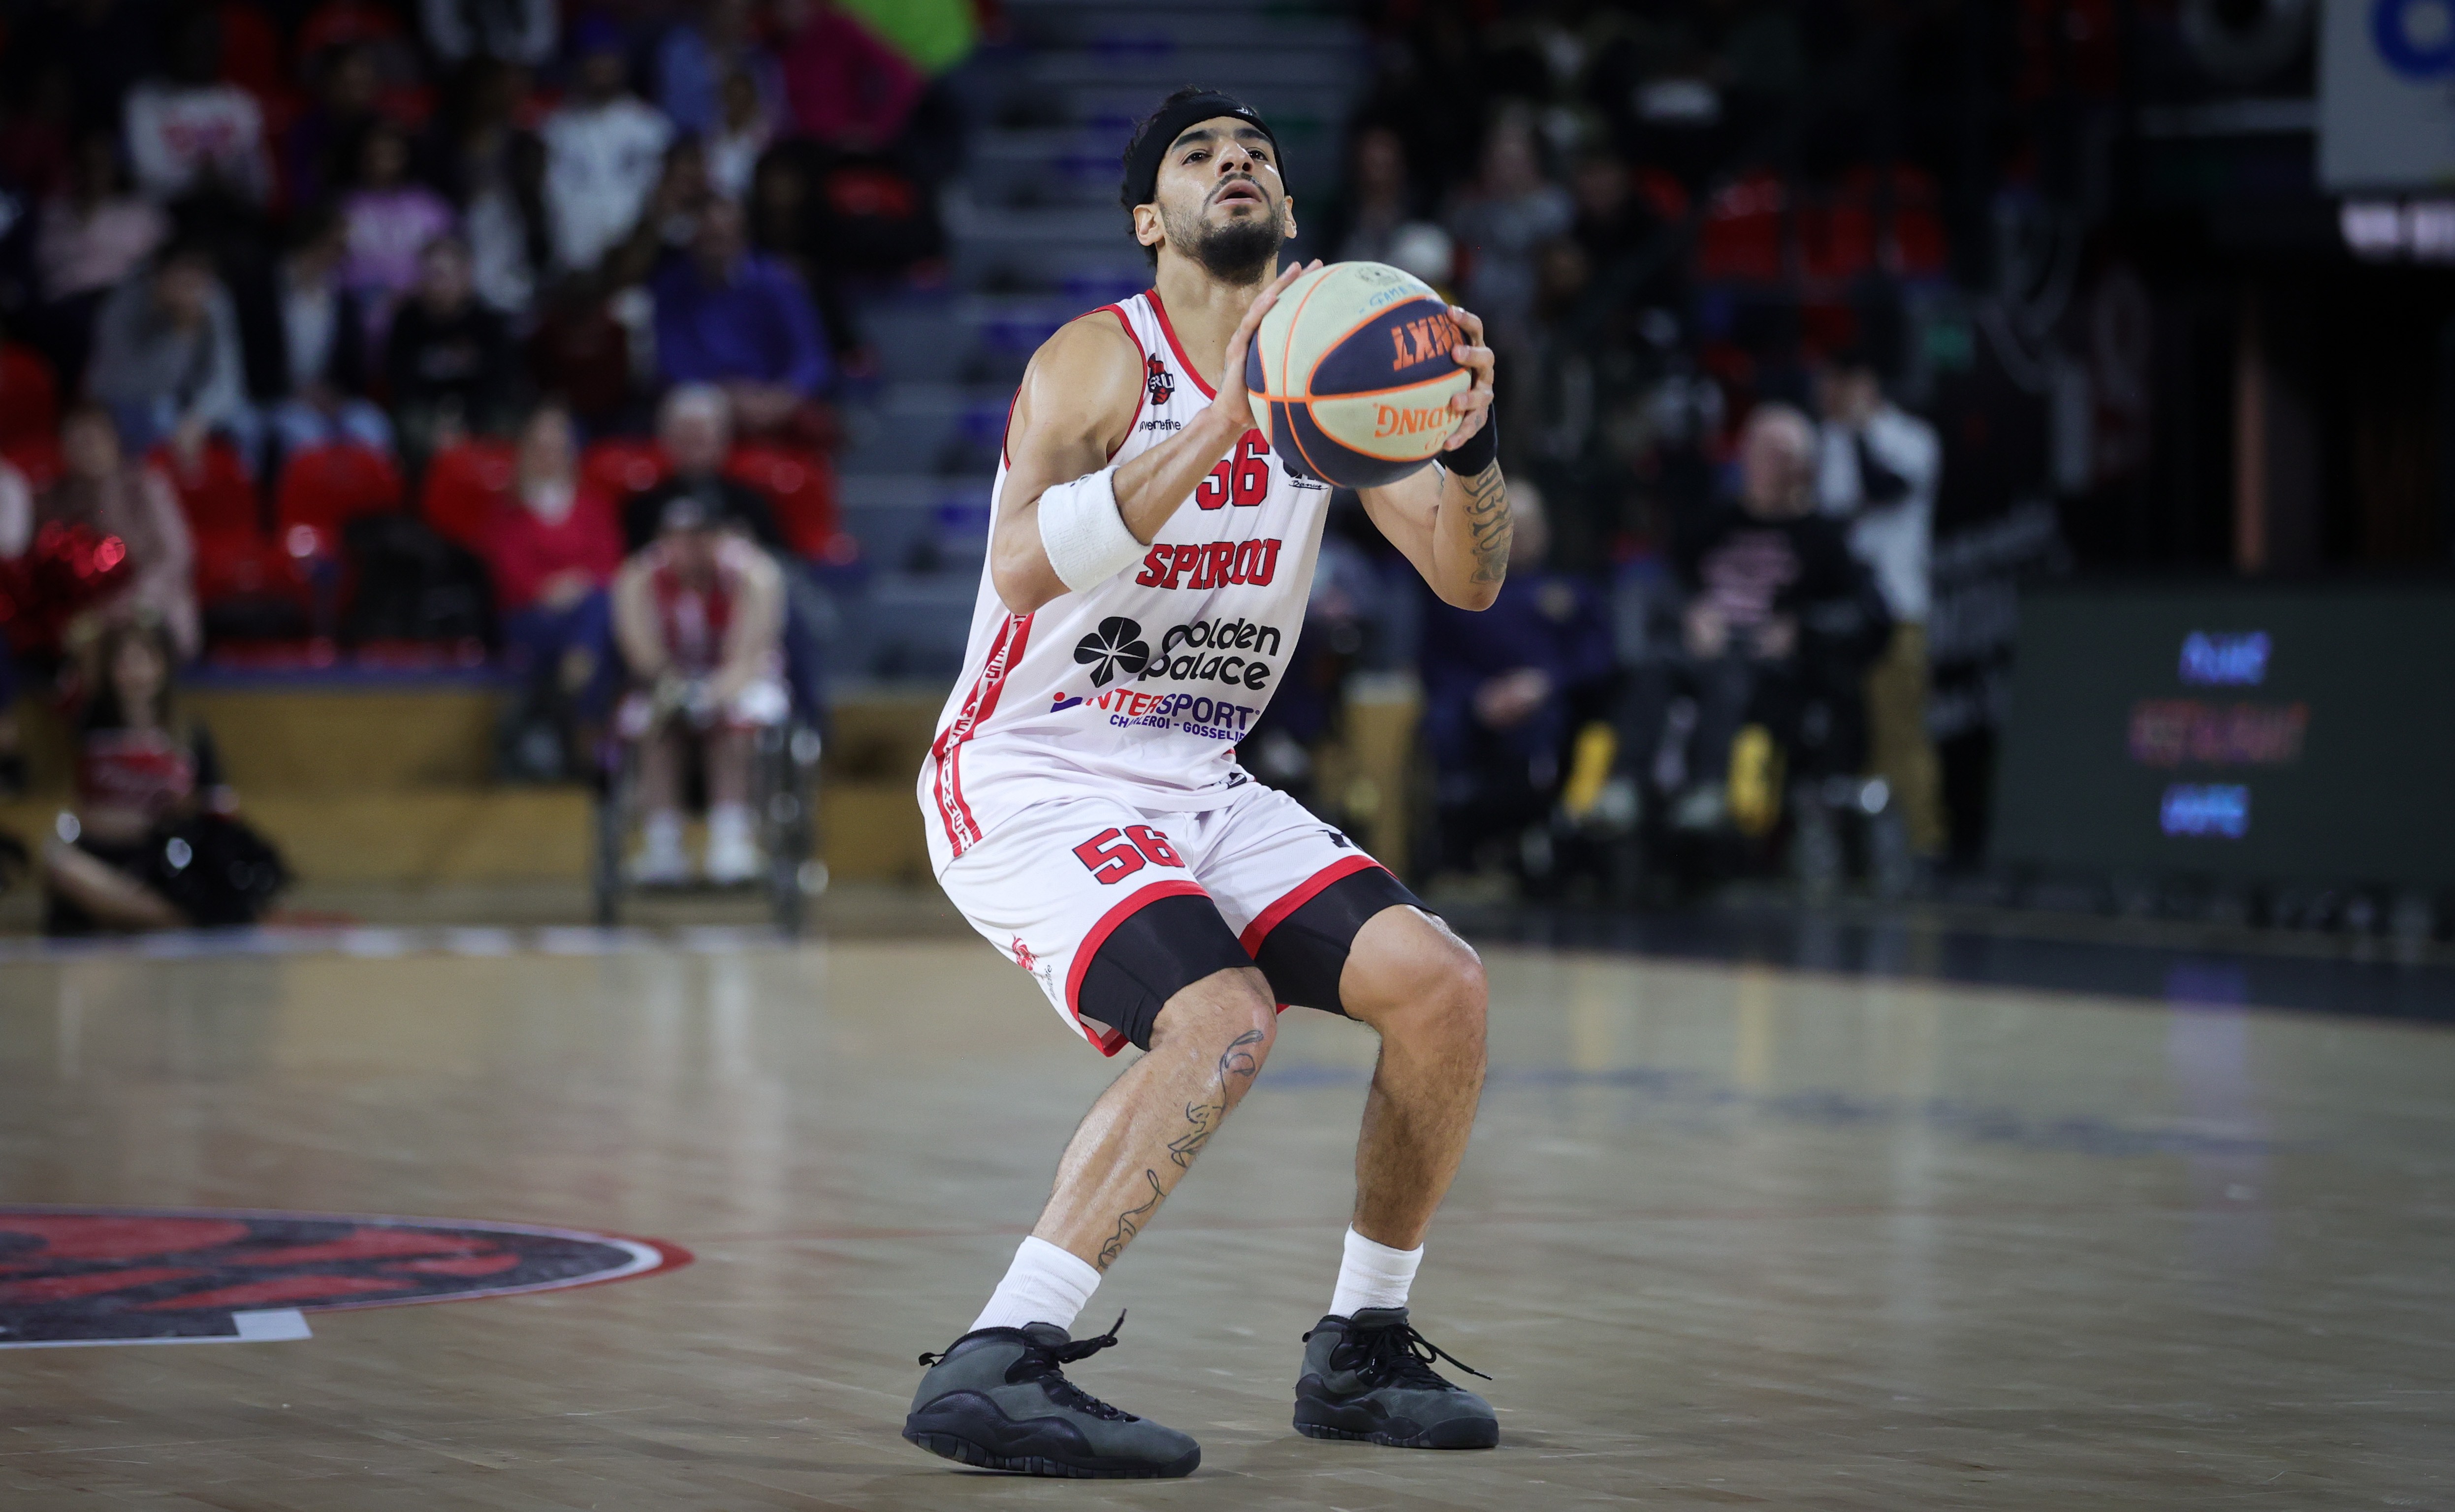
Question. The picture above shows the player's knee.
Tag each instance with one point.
(1222, 1009)
(1432, 989)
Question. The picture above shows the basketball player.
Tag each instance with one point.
(1150, 561)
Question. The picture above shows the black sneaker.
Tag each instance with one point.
(1370, 1378)
(999, 1399)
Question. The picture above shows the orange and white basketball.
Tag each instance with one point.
(1350, 374)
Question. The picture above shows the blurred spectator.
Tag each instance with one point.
(604, 151)
(1379, 201)
(39, 124)
(699, 617)
(90, 239)
(1502, 219)
(747, 126)
(847, 90)
(1505, 691)
(16, 534)
(582, 353)
(698, 58)
(166, 356)
(509, 30)
(391, 220)
(553, 548)
(318, 147)
(728, 317)
(494, 170)
(449, 357)
(1616, 227)
(191, 132)
(99, 49)
(1879, 466)
(695, 427)
(151, 844)
(305, 335)
(100, 489)
(1779, 620)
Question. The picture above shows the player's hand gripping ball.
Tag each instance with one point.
(1350, 374)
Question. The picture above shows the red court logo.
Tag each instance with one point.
(135, 1276)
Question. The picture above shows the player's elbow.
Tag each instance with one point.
(1024, 587)
(1475, 594)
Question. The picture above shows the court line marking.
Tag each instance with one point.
(270, 1325)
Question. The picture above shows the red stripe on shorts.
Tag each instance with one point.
(963, 830)
(1133, 904)
(1303, 892)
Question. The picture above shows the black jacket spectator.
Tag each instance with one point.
(726, 501)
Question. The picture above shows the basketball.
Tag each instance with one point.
(1350, 374)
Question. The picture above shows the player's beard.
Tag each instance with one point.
(1239, 252)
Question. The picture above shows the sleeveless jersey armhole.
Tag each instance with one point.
(1141, 394)
(1005, 436)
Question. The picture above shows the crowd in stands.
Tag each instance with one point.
(416, 329)
(1695, 269)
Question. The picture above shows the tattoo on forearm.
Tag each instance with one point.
(1488, 523)
(1236, 1061)
(1129, 1223)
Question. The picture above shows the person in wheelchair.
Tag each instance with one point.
(1777, 625)
(699, 614)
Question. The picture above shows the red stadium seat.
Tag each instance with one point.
(29, 397)
(234, 560)
(37, 456)
(1919, 247)
(216, 496)
(1663, 193)
(800, 487)
(325, 486)
(622, 466)
(464, 485)
(1837, 233)
(1742, 239)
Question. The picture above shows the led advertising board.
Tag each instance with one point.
(2252, 734)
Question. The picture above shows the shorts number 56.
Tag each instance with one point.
(1114, 854)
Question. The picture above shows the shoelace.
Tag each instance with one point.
(1400, 1355)
(1046, 1365)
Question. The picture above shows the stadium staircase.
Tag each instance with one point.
(1036, 238)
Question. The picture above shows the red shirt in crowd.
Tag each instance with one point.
(525, 550)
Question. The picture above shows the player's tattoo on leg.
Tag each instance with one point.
(1487, 518)
(1129, 1223)
(1236, 1061)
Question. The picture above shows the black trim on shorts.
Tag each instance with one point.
(1305, 954)
(1154, 953)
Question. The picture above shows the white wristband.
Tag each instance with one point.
(1085, 536)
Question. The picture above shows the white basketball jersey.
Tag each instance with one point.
(1144, 684)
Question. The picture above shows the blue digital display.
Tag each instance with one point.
(2210, 810)
(2224, 660)
(2152, 722)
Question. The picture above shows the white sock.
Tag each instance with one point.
(1373, 1274)
(1045, 1285)
(661, 834)
(729, 824)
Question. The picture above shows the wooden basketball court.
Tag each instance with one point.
(1727, 1237)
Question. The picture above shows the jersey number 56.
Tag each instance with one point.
(1114, 854)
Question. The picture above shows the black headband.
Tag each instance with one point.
(1149, 146)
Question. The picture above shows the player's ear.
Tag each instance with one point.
(1148, 229)
(1287, 215)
